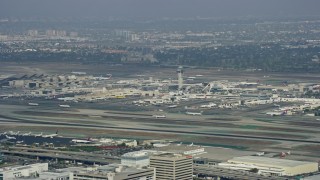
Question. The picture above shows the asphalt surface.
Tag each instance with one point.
(275, 134)
(159, 130)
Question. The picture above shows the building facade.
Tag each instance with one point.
(111, 172)
(14, 172)
(172, 166)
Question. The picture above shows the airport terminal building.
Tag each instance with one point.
(271, 166)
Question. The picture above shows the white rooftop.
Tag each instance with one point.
(20, 167)
(135, 154)
(266, 161)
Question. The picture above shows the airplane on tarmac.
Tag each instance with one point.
(78, 73)
(19, 142)
(103, 78)
(284, 154)
(260, 153)
(210, 105)
(51, 135)
(277, 113)
(81, 141)
(159, 116)
(33, 104)
(26, 134)
(194, 113)
(10, 137)
(66, 99)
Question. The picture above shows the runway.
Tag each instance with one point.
(243, 132)
(157, 130)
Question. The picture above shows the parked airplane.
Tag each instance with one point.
(172, 106)
(194, 113)
(66, 99)
(184, 98)
(33, 104)
(51, 135)
(210, 105)
(284, 154)
(103, 78)
(159, 116)
(19, 142)
(260, 154)
(64, 105)
(26, 134)
(78, 73)
(190, 144)
(179, 144)
(10, 137)
(81, 141)
(276, 113)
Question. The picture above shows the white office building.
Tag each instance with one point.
(15, 172)
(172, 166)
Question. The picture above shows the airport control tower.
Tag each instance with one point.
(180, 78)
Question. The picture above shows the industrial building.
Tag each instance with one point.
(172, 166)
(270, 166)
(14, 172)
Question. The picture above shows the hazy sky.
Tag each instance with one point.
(157, 8)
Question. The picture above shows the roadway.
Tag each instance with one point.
(64, 155)
(248, 132)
